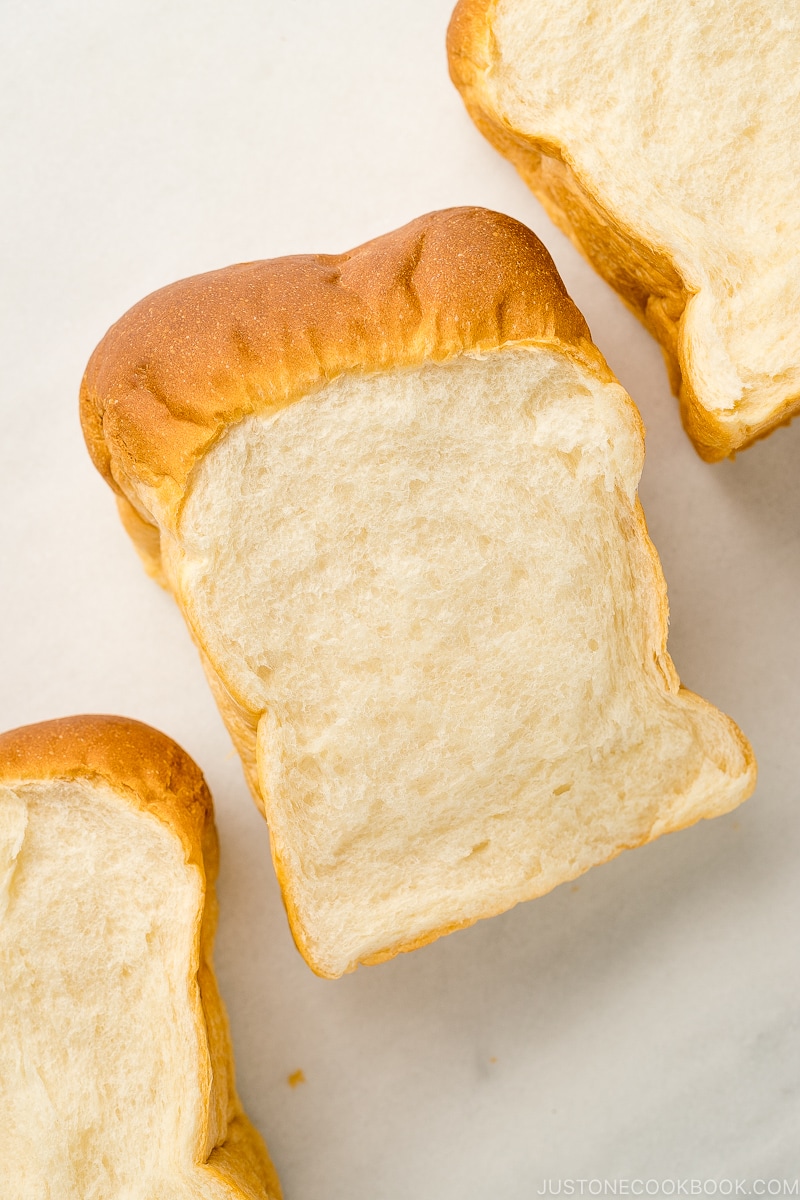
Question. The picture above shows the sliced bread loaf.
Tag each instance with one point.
(116, 1075)
(394, 494)
(664, 139)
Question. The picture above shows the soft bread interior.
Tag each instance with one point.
(104, 1066)
(436, 588)
(682, 120)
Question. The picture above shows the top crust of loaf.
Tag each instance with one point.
(195, 357)
(157, 775)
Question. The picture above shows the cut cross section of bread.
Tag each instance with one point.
(394, 494)
(116, 1075)
(664, 139)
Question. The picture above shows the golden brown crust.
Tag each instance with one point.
(145, 537)
(644, 275)
(243, 1159)
(159, 778)
(193, 358)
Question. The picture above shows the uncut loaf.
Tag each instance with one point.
(394, 493)
(664, 139)
(116, 1073)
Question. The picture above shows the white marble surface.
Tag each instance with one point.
(641, 1024)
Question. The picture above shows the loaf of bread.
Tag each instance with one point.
(116, 1075)
(394, 494)
(664, 139)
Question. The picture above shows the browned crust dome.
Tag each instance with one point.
(154, 771)
(196, 356)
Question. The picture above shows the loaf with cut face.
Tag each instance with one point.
(116, 1073)
(394, 493)
(664, 139)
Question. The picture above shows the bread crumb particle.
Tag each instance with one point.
(296, 1077)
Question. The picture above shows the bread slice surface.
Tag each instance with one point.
(116, 1075)
(427, 603)
(436, 592)
(665, 140)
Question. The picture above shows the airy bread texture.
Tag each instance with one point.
(413, 559)
(664, 139)
(116, 1074)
